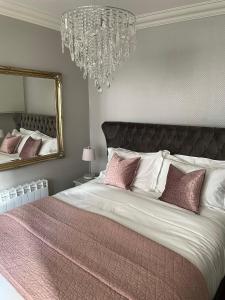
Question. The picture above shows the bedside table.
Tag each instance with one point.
(80, 181)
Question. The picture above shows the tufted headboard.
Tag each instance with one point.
(45, 124)
(187, 140)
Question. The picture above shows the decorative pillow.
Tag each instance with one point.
(23, 137)
(213, 192)
(149, 167)
(10, 143)
(31, 148)
(183, 189)
(121, 172)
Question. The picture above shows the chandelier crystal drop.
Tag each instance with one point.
(99, 40)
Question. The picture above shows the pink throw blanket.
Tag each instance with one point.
(50, 250)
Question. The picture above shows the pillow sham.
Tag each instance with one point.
(121, 172)
(149, 167)
(213, 191)
(10, 143)
(31, 148)
(183, 189)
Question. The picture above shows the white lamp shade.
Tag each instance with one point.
(1, 133)
(88, 154)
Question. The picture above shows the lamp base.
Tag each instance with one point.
(89, 176)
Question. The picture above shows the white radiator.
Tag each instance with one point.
(22, 194)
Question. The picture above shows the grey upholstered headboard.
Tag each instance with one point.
(45, 124)
(187, 140)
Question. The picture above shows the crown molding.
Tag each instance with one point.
(180, 14)
(13, 9)
(29, 14)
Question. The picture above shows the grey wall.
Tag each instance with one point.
(7, 122)
(177, 76)
(39, 95)
(30, 46)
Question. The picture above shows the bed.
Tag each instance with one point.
(199, 239)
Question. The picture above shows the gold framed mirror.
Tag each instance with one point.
(31, 121)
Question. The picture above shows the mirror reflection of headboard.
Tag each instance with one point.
(43, 123)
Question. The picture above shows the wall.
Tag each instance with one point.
(7, 123)
(11, 94)
(30, 46)
(177, 76)
(39, 96)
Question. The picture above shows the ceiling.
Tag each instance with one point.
(57, 7)
(149, 12)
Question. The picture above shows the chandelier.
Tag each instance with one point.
(99, 39)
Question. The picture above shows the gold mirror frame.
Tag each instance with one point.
(59, 116)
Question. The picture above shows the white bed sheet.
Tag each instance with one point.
(200, 239)
(5, 157)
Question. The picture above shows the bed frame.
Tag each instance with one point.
(187, 140)
(43, 123)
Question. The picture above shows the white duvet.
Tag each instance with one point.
(199, 238)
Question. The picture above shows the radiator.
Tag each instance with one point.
(22, 194)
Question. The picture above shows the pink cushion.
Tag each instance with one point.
(184, 190)
(121, 172)
(10, 143)
(31, 148)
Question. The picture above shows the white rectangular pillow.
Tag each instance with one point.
(201, 161)
(148, 170)
(213, 192)
(26, 131)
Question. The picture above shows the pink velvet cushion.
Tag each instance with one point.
(31, 148)
(10, 143)
(121, 172)
(184, 190)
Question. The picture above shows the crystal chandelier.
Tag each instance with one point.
(99, 39)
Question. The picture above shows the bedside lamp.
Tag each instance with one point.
(88, 155)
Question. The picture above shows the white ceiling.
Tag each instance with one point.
(57, 7)
(149, 12)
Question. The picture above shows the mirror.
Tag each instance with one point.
(30, 117)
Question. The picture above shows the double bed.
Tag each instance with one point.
(182, 243)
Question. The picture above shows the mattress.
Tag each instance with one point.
(200, 239)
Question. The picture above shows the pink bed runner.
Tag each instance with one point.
(50, 250)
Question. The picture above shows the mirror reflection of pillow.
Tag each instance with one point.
(49, 147)
(10, 143)
(49, 144)
(23, 137)
(31, 148)
(26, 131)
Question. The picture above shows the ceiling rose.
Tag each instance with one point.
(99, 39)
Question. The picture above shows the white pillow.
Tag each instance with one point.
(43, 136)
(148, 171)
(49, 147)
(213, 192)
(26, 131)
(201, 161)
